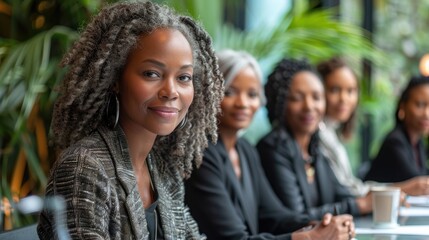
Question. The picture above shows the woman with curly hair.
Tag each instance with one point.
(291, 157)
(139, 78)
(229, 195)
(342, 95)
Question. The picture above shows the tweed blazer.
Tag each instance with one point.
(96, 178)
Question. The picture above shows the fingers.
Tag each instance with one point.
(343, 218)
(350, 229)
(326, 219)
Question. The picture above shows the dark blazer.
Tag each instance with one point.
(96, 178)
(222, 209)
(285, 170)
(396, 160)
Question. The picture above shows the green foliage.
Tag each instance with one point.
(30, 53)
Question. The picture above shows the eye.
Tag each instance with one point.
(253, 94)
(317, 97)
(295, 98)
(352, 90)
(185, 78)
(151, 74)
(334, 90)
(229, 92)
(420, 104)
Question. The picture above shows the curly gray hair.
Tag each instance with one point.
(97, 60)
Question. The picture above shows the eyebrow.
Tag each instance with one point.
(162, 65)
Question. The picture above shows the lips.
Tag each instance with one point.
(240, 116)
(308, 119)
(165, 112)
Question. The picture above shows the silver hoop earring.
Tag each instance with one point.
(112, 111)
(182, 123)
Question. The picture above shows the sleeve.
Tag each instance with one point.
(211, 205)
(281, 176)
(273, 216)
(343, 201)
(85, 188)
(392, 163)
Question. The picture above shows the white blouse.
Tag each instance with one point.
(336, 153)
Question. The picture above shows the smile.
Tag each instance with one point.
(165, 112)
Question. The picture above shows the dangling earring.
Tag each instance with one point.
(112, 111)
(182, 123)
(401, 114)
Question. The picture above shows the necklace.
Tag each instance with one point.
(309, 169)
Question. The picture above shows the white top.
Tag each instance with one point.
(336, 153)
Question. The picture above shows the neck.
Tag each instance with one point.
(229, 137)
(140, 142)
(303, 141)
(413, 136)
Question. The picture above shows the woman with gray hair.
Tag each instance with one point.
(135, 111)
(229, 196)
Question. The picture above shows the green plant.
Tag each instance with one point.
(37, 38)
(30, 52)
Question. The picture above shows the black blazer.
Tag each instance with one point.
(222, 209)
(396, 160)
(285, 170)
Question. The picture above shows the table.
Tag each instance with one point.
(421, 221)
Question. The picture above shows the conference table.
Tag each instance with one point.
(413, 225)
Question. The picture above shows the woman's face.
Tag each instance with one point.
(305, 104)
(242, 99)
(156, 87)
(341, 91)
(416, 109)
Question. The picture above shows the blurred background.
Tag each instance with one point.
(384, 40)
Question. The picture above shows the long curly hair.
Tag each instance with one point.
(277, 87)
(326, 68)
(96, 62)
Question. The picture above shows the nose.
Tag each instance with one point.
(426, 112)
(343, 95)
(241, 101)
(168, 90)
(308, 103)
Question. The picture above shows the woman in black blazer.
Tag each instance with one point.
(229, 195)
(298, 172)
(402, 155)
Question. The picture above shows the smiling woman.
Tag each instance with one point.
(291, 154)
(157, 84)
(229, 196)
(139, 77)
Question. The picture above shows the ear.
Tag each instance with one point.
(401, 112)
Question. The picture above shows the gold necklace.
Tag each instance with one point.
(309, 169)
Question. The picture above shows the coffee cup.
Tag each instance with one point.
(385, 203)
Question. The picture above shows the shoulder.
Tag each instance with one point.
(274, 138)
(396, 136)
(88, 154)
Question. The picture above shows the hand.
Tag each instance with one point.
(403, 200)
(415, 186)
(339, 227)
(365, 204)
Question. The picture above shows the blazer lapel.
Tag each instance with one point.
(237, 188)
(170, 206)
(324, 192)
(299, 167)
(118, 148)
